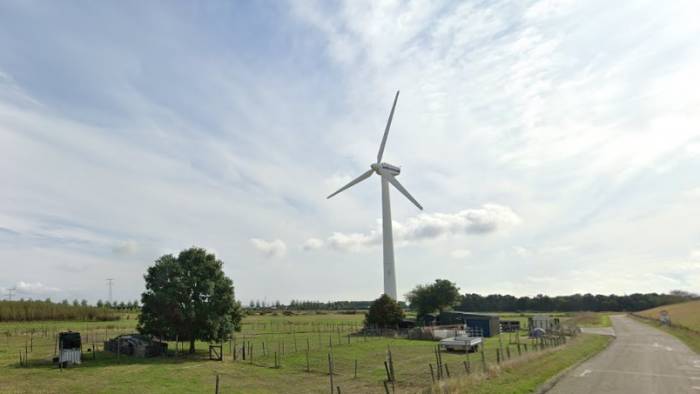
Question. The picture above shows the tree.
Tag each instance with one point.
(99, 304)
(384, 312)
(437, 296)
(84, 302)
(190, 298)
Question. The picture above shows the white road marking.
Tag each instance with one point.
(584, 373)
(656, 375)
(670, 349)
(696, 387)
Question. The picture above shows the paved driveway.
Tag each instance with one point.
(642, 359)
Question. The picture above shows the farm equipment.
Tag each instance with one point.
(462, 343)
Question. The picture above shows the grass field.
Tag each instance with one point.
(685, 322)
(686, 314)
(289, 336)
(592, 319)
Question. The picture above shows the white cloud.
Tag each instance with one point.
(312, 244)
(274, 248)
(489, 218)
(126, 248)
(34, 289)
(460, 253)
(522, 251)
(695, 254)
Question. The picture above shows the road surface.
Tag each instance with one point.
(641, 360)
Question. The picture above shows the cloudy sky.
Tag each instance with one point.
(555, 145)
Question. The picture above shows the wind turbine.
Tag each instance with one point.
(388, 174)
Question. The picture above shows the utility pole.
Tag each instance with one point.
(11, 292)
(109, 283)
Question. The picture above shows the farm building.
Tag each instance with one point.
(136, 345)
(546, 323)
(486, 323)
(510, 325)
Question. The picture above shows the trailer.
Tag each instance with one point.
(462, 343)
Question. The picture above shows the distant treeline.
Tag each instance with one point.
(47, 310)
(330, 305)
(571, 303)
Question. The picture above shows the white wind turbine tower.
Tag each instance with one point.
(388, 174)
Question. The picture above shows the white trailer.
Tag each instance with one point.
(462, 343)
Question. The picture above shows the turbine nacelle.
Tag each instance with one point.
(385, 168)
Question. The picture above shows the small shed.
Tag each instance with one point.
(136, 345)
(510, 325)
(546, 323)
(486, 323)
(69, 348)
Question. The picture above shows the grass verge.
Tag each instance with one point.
(686, 335)
(526, 374)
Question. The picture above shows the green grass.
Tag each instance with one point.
(322, 333)
(527, 374)
(592, 319)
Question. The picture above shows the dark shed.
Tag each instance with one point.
(487, 323)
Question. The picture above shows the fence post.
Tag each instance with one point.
(330, 371)
(217, 384)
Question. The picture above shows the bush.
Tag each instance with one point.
(384, 312)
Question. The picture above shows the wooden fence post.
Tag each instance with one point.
(330, 371)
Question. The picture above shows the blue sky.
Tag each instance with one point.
(555, 145)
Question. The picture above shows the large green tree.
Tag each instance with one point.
(384, 312)
(189, 297)
(433, 297)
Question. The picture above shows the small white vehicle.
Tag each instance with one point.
(462, 343)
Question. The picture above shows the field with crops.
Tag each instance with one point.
(686, 314)
(272, 353)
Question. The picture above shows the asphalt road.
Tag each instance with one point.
(641, 360)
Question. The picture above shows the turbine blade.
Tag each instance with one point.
(386, 130)
(403, 190)
(353, 182)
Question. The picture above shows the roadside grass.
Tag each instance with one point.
(686, 314)
(525, 375)
(687, 336)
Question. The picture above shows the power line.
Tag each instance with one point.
(109, 283)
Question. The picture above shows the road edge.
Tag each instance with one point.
(551, 382)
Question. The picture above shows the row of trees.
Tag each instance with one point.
(46, 310)
(571, 303)
(443, 294)
(124, 306)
